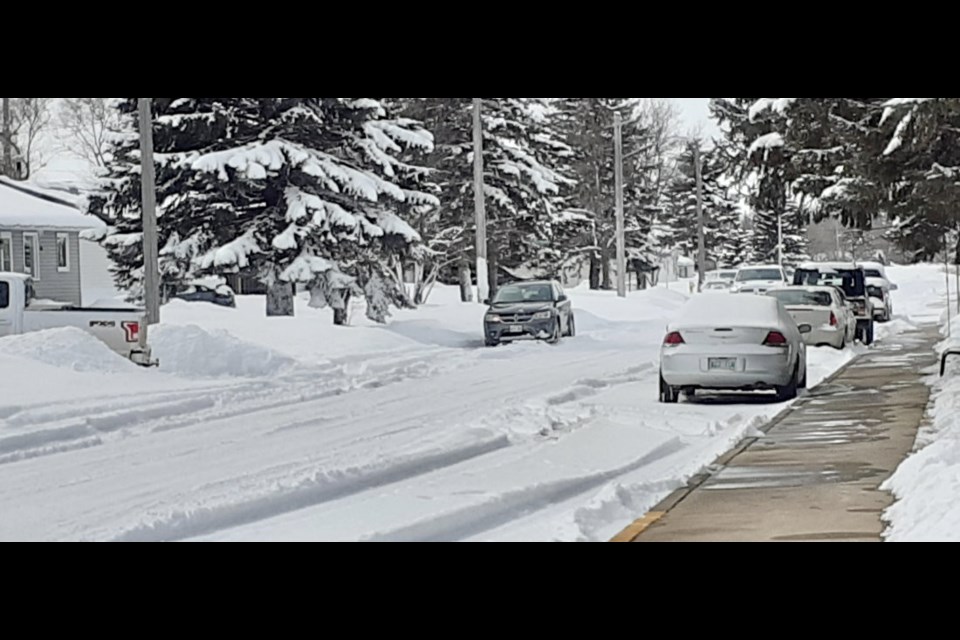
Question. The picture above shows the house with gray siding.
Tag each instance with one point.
(40, 236)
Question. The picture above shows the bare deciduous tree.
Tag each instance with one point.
(91, 124)
(29, 118)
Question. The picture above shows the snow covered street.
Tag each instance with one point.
(292, 429)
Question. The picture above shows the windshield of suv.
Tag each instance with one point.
(517, 293)
(799, 297)
(751, 275)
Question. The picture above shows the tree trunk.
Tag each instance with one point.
(606, 269)
(342, 316)
(493, 268)
(280, 299)
(594, 272)
(466, 282)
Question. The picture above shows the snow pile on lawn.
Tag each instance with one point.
(191, 351)
(66, 348)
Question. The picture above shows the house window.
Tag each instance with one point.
(31, 255)
(6, 252)
(63, 252)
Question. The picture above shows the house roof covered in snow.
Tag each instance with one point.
(24, 208)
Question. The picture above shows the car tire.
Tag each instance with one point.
(492, 343)
(668, 395)
(803, 382)
(789, 392)
(557, 334)
(869, 335)
(573, 326)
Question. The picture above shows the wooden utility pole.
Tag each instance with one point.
(701, 232)
(621, 223)
(151, 266)
(483, 280)
(6, 163)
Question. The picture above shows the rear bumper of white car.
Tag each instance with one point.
(688, 369)
(833, 336)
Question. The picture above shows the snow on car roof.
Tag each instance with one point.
(877, 282)
(814, 288)
(735, 311)
(820, 266)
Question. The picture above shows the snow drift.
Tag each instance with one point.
(191, 351)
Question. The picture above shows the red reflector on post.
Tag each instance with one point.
(775, 339)
(674, 339)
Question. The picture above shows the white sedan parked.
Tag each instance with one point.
(822, 308)
(735, 343)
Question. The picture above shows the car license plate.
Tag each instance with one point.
(516, 328)
(722, 364)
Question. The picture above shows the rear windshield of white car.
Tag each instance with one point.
(4, 295)
(875, 292)
(749, 275)
(803, 298)
(872, 273)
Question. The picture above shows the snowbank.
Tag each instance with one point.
(66, 348)
(191, 351)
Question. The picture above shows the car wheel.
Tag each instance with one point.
(573, 326)
(668, 395)
(868, 335)
(789, 392)
(557, 333)
(803, 382)
(492, 343)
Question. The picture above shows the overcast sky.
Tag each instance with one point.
(695, 111)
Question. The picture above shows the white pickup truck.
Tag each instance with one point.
(123, 330)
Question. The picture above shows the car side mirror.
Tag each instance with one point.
(894, 287)
(805, 329)
(562, 299)
(487, 302)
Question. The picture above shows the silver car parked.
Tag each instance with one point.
(834, 324)
(740, 343)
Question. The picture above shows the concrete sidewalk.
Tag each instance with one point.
(816, 475)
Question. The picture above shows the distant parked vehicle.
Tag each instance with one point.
(760, 279)
(529, 311)
(824, 310)
(721, 275)
(740, 343)
(206, 290)
(879, 291)
(850, 278)
(717, 286)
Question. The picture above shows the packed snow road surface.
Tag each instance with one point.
(292, 429)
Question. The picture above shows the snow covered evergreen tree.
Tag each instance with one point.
(295, 190)
(521, 186)
(678, 222)
(587, 125)
(754, 129)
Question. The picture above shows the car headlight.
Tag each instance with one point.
(493, 318)
(543, 315)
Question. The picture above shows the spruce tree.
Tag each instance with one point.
(588, 128)
(294, 190)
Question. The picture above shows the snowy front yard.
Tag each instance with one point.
(292, 429)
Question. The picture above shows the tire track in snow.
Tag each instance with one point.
(325, 486)
(474, 519)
